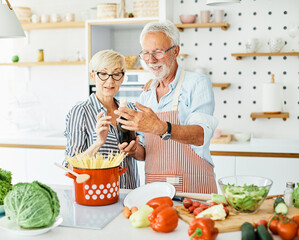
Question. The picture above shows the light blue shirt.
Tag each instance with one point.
(196, 106)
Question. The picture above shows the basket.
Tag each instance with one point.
(23, 14)
(146, 8)
(106, 10)
(130, 61)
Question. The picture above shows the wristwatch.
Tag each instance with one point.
(167, 135)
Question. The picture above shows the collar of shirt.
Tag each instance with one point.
(94, 101)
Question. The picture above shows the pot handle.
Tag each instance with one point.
(70, 176)
(122, 170)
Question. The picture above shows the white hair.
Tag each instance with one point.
(166, 27)
(106, 59)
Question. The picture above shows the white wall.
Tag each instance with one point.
(57, 88)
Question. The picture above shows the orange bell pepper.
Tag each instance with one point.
(163, 219)
(202, 228)
(156, 202)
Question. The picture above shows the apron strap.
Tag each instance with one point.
(175, 100)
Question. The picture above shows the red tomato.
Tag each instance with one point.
(187, 202)
(296, 219)
(212, 204)
(262, 222)
(287, 230)
(191, 209)
(226, 211)
(204, 206)
(273, 225)
(196, 204)
(197, 211)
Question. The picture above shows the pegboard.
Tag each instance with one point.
(211, 48)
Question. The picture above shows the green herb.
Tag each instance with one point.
(5, 184)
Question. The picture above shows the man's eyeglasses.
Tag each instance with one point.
(115, 76)
(157, 55)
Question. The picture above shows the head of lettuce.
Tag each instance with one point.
(31, 205)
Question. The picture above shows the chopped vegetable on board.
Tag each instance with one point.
(216, 212)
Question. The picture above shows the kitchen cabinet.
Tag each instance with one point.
(224, 166)
(280, 170)
(40, 166)
(28, 165)
(14, 160)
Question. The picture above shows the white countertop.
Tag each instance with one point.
(118, 228)
(54, 138)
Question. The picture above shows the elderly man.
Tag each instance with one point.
(175, 116)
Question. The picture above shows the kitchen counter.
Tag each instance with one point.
(119, 228)
(260, 146)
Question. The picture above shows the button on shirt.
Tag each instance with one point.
(195, 107)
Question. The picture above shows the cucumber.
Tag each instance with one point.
(263, 233)
(277, 201)
(281, 208)
(248, 232)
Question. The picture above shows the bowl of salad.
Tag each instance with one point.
(245, 194)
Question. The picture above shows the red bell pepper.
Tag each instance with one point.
(156, 202)
(202, 228)
(163, 219)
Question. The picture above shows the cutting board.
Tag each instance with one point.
(234, 222)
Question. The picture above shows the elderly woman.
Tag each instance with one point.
(91, 125)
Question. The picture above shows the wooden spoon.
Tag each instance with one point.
(80, 178)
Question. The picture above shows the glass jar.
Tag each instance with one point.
(40, 55)
(288, 193)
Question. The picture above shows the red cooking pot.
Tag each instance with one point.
(101, 189)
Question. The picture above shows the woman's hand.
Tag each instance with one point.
(102, 127)
(129, 148)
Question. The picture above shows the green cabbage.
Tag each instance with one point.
(295, 196)
(32, 205)
(5, 184)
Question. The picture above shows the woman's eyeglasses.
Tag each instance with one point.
(157, 55)
(115, 76)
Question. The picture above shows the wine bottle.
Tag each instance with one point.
(124, 135)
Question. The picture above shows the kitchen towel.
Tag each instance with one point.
(272, 98)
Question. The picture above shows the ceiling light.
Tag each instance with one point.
(9, 24)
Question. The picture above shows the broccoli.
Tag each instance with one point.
(295, 196)
(5, 184)
(5, 175)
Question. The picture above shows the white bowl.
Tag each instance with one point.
(241, 136)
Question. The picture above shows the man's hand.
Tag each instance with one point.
(144, 121)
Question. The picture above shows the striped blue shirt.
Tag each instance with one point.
(80, 133)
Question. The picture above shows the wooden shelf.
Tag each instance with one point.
(240, 55)
(32, 64)
(283, 115)
(223, 25)
(36, 26)
(221, 85)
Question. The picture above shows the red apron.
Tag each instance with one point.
(174, 162)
